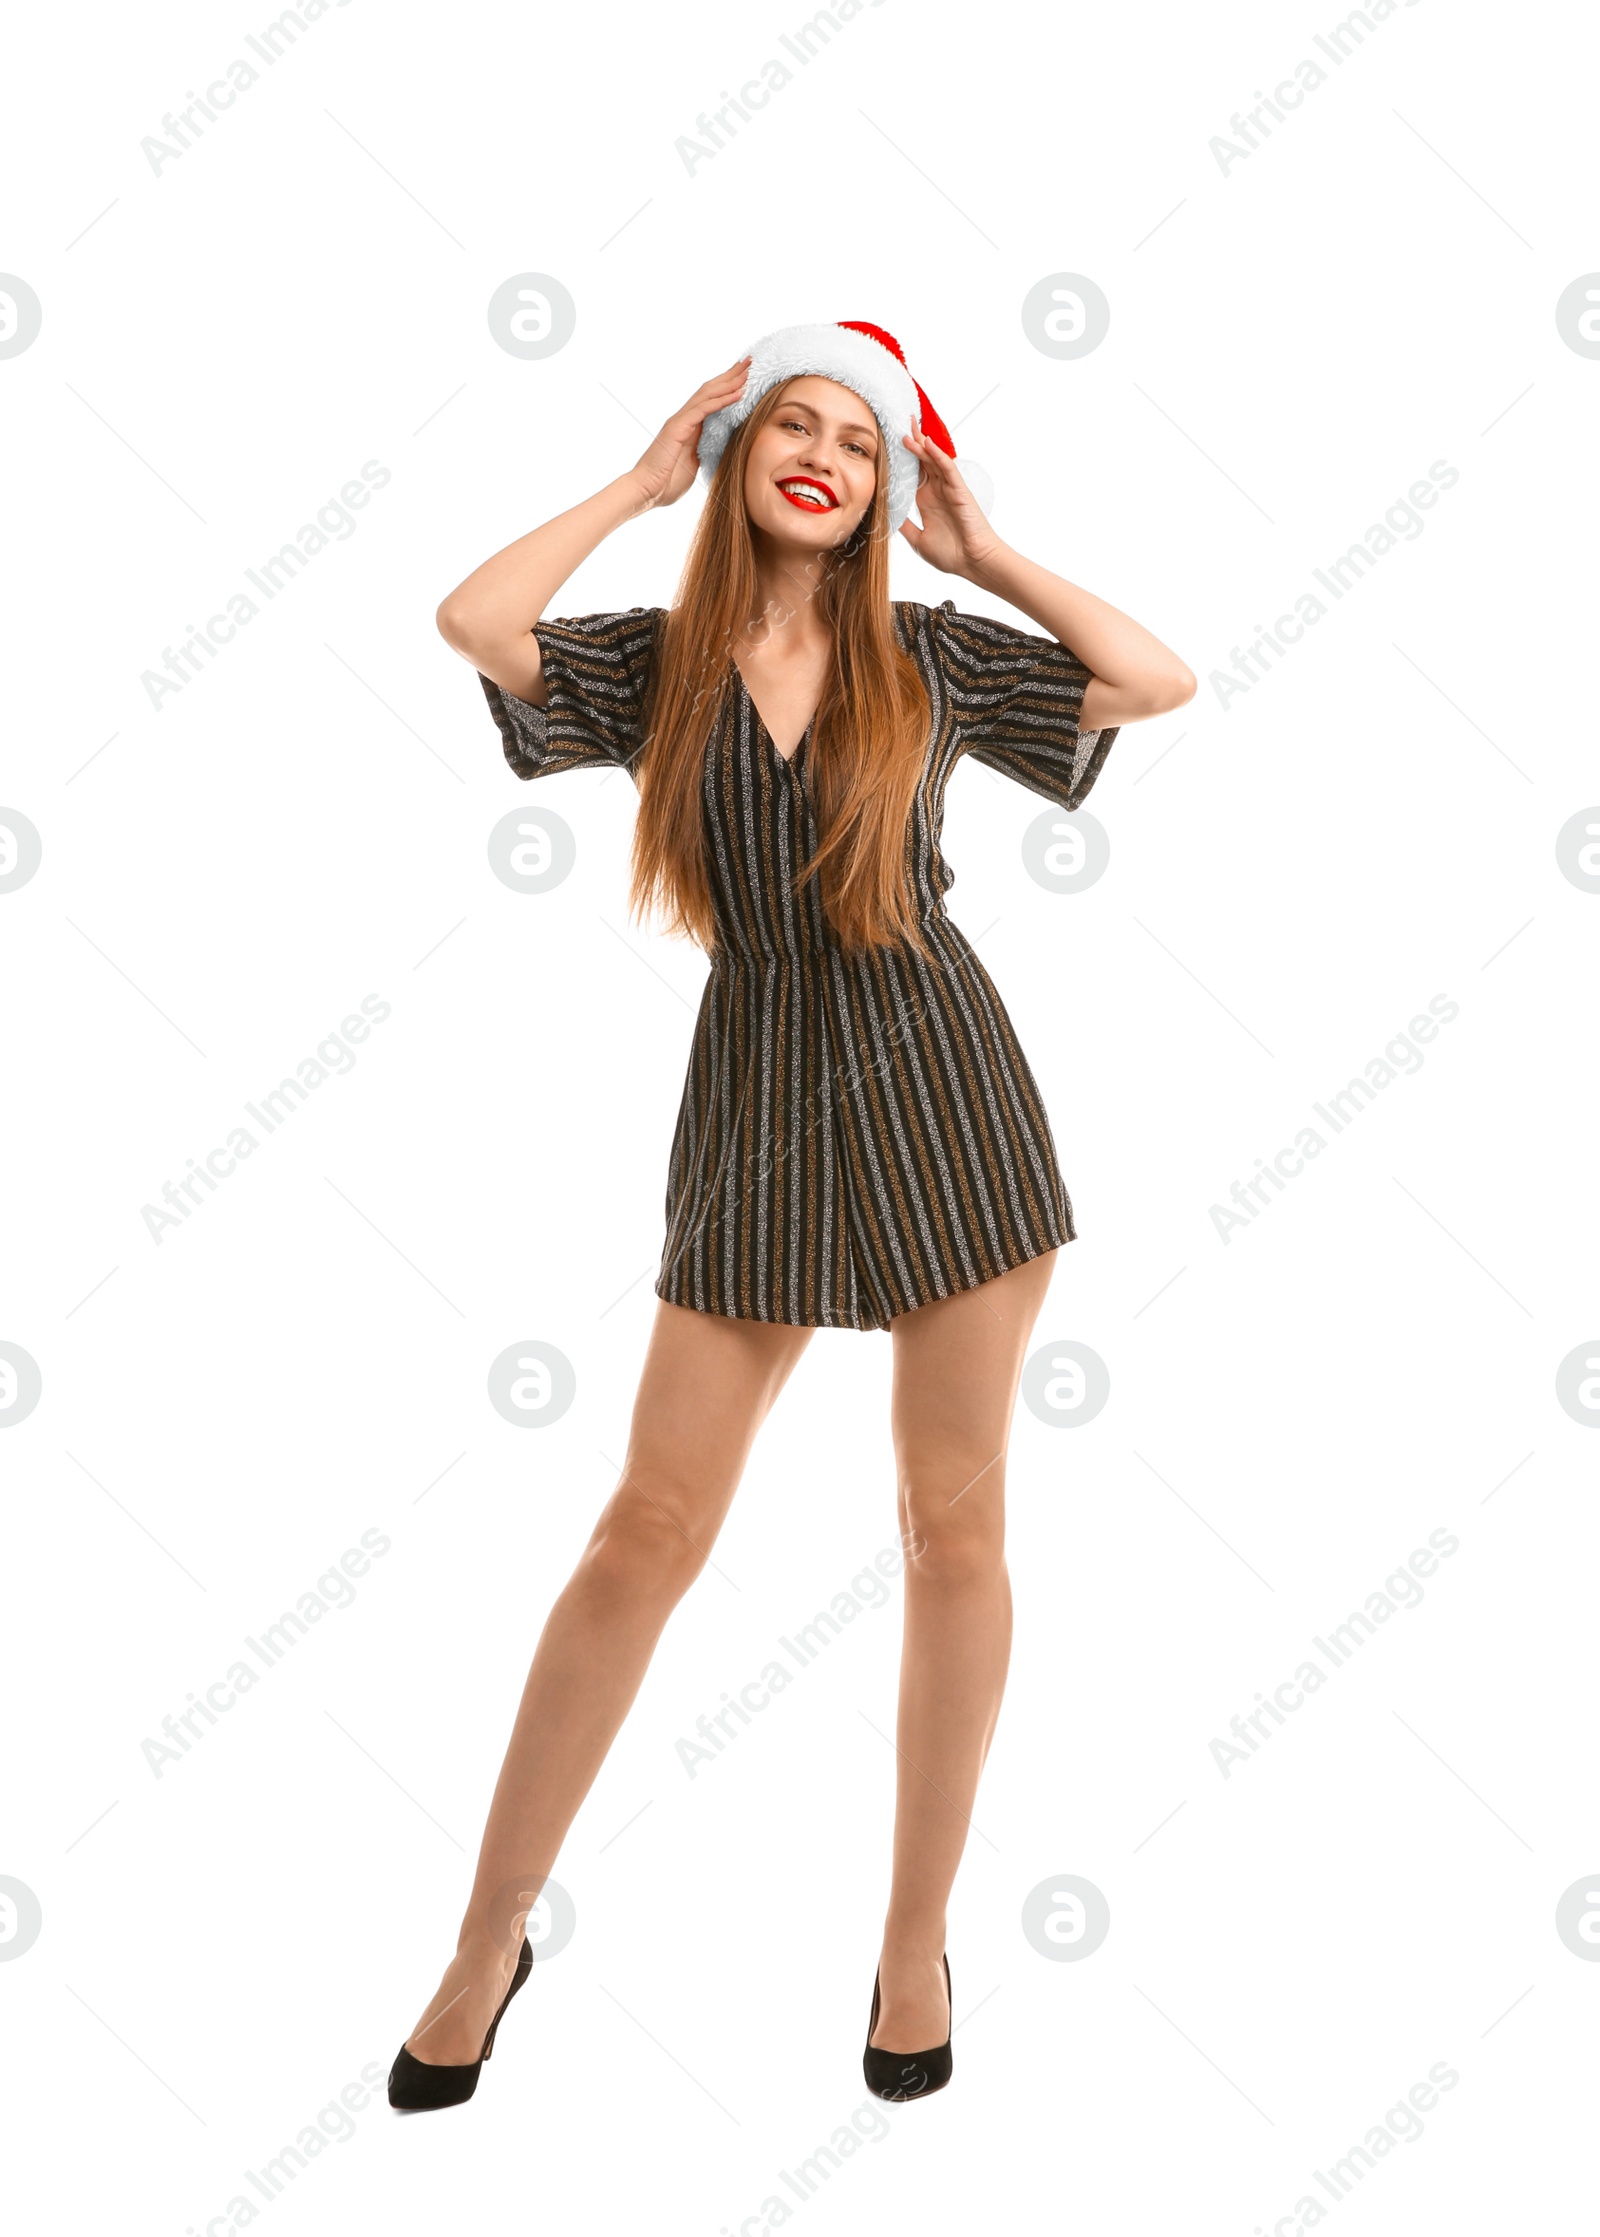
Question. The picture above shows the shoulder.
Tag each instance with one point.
(916, 622)
(627, 622)
(625, 633)
(952, 626)
(619, 645)
(982, 646)
(946, 626)
(967, 649)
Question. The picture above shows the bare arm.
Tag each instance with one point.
(489, 617)
(1133, 675)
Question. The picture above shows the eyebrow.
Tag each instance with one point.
(847, 427)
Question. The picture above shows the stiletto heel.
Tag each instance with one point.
(415, 2087)
(901, 2074)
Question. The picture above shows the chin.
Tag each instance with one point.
(817, 531)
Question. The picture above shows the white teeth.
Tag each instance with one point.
(807, 495)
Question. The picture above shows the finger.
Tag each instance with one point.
(717, 392)
(927, 455)
(714, 400)
(705, 401)
(712, 395)
(704, 406)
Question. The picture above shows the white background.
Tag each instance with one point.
(1293, 876)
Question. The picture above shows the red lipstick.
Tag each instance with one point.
(826, 500)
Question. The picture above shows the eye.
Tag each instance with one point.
(862, 450)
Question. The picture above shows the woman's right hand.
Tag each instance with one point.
(670, 464)
(490, 617)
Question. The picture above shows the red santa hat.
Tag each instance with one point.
(861, 357)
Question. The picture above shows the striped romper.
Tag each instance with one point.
(858, 1135)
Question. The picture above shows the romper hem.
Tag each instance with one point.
(861, 1324)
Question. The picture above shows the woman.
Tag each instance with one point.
(860, 1143)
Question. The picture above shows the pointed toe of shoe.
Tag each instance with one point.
(417, 2088)
(901, 2075)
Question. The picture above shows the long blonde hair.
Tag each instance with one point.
(867, 745)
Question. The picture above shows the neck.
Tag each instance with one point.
(788, 579)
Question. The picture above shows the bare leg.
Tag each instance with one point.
(707, 1384)
(957, 1365)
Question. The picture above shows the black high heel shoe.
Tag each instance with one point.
(901, 2074)
(415, 2087)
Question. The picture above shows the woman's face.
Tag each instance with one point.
(813, 466)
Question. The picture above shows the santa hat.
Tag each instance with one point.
(859, 356)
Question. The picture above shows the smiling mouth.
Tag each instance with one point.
(810, 496)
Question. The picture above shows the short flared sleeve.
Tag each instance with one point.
(597, 671)
(1016, 699)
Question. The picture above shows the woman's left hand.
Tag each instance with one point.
(955, 535)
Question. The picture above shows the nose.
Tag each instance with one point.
(816, 456)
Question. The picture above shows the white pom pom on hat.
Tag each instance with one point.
(859, 356)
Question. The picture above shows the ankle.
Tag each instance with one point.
(914, 1944)
(478, 1951)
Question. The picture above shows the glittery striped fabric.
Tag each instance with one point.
(858, 1136)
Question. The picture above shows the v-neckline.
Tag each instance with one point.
(788, 759)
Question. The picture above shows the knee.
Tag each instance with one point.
(948, 1560)
(648, 1539)
(953, 1516)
